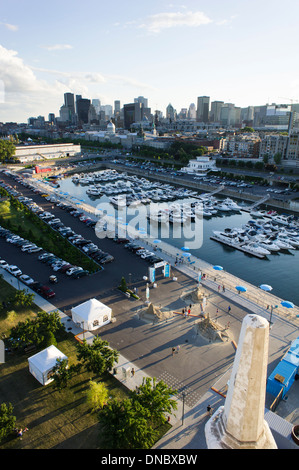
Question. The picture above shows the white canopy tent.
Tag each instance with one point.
(91, 315)
(42, 364)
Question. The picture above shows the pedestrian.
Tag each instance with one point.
(189, 311)
(133, 371)
(229, 308)
(223, 288)
(183, 311)
(173, 351)
(219, 287)
(217, 310)
(209, 410)
(190, 306)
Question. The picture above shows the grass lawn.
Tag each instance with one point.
(10, 317)
(56, 419)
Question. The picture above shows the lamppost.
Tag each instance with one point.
(183, 412)
(272, 307)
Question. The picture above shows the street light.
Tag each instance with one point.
(183, 412)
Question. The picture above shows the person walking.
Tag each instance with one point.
(133, 371)
(229, 309)
(223, 288)
(173, 351)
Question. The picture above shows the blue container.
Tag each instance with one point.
(283, 375)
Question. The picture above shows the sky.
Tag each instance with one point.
(237, 51)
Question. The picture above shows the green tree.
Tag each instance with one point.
(62, 373)
(36, 331)
(123, 285)
(277, 158)
(97, 395)
(98, 357)
(7, 150)
(7, 420)
(156, 397)
(124, 425)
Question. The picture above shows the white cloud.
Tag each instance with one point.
(11, 27)
(160, 21)
(57, 47)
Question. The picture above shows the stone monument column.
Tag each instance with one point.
(240, 423)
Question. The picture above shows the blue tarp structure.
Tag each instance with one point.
(284, 374)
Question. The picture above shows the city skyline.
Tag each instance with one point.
(169, 53)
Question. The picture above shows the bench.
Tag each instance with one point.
(30, 348)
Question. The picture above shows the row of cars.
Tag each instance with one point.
(87, 246)
(41, 289)
(139, 250)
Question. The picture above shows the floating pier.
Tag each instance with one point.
(238, 247)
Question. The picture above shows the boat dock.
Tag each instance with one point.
(238, 247)
(256, 204)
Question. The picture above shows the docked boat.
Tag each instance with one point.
(119, 201)
(255, 248)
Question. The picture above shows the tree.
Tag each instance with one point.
(7, 150)
(62, 373)
(97, 395)
(156, 397)
(98, 357)
(123, 285)
(124, 425)
(7, 420)
(277, 158)
(36, 331)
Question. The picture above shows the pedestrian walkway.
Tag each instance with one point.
(188, 422)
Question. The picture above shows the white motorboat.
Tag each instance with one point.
(223, 207)
(289, 240)
(231, 204)
(230, 237)
(119, 201)
(281, 219)
(255, 248)
(267, 244)
(282, 244)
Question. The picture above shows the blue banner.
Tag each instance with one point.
(167, 270)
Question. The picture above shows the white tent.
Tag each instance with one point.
(42, 364)
(91, 315)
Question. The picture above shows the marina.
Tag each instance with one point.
(219, 214)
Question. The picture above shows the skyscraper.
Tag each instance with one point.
(132, 113)
(203, 108)
(216, 110)
(83, 105)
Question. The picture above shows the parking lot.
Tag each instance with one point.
(71, 291)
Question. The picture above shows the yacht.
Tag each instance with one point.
(93, 191)
(268, 244)
(282, 244)
(223, 207)
(119, 201)
(287, 239)
(227, 236)
(231, 204)
(255, 248)
(281, 219)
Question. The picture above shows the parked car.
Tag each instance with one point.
(70, 271)
(26, 279)
(79, 273)
(46, 292)
(3, 264)
(14, 270)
